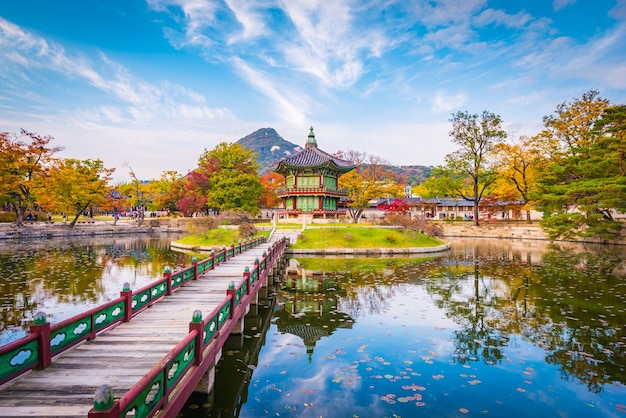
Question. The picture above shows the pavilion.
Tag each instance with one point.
(311, 179)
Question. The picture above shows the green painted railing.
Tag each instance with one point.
(47, 340)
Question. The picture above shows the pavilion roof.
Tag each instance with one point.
(313, 157)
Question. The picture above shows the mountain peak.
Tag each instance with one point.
(270, 146)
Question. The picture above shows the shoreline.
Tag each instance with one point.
(371, 251)
(44, 230)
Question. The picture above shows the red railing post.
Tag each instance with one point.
(246, 277)
(42, 328)
(127, 294)
(194, 262)
(225, 253)
(212, 259)
(256, 266)
(230, 292)
(168, 276)
(197, 324)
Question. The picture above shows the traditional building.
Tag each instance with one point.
(311, 178)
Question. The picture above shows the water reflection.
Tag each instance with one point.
(504, 328)
(64, 276)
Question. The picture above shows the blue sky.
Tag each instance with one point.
(153, 83)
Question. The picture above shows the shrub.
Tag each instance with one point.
(391, 238)
(422, 225)
(246, 230)
(348, 237)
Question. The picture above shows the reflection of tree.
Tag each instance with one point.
(72, 272)
(569, 305)
(478, 338)
(586, 337)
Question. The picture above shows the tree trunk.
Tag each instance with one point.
(528, 220)
(476, 202)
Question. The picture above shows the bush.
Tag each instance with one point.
(246, 230)
(7, 217)
(348, 237)
(391, 238)
(422, 225)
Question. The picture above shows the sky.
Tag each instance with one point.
(149, 85)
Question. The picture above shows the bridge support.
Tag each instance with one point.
(207, 382)
(239, 326)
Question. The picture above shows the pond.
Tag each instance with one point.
(66, 276)
(491, 328)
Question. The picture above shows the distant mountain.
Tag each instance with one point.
(270, 146)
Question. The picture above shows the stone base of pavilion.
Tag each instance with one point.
(309, 217)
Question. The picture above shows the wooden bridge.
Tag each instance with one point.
(142, 354)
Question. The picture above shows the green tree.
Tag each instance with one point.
(469, 169)
(585, 185)
(231, 171)
(23, 167)
(77, 185)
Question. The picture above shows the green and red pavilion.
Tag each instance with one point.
(311, 179)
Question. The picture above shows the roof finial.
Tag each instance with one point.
(311, 142)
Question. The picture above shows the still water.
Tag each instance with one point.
(66, 276)
(490, 328)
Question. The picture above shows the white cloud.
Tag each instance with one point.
(561, 4)
(290, 110)
(447, 103)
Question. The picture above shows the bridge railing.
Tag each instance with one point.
(46, 340)
(168, 384)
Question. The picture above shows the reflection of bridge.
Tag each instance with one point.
(143, 353)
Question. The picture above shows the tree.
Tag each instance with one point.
(139, 201)
(271, 181)
(231, 172)
(476, 136)
(370, 180)
(23, 166)
(77, 185)
(518, 168)
(166, 191)
(193, 198)
(584, 184)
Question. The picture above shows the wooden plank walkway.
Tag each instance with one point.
(121, 356)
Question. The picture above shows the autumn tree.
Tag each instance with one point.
(194, 191)
(584, 185)
(469, 170)
(271, 181)
(23, 167)
(165, 192)
(518, 168)
(371, 179)
(77, 185)
(233, 182)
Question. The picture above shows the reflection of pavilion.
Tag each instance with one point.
(310, 308)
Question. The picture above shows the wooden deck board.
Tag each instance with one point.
(121, 356)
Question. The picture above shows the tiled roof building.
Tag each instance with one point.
(311, 178)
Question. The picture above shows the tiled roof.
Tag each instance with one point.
(314, 157)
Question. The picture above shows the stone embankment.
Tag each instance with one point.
(494, 230)
(513, 231)
(37, 230)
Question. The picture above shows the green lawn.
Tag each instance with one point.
(362, 237)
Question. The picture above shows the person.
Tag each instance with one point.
(29, 217)
(49, 216)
